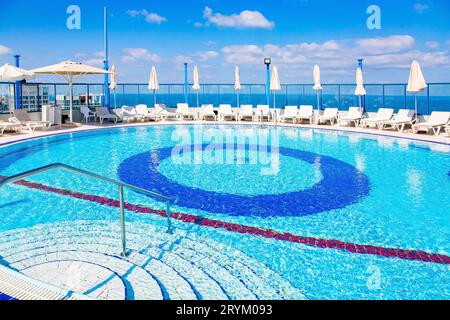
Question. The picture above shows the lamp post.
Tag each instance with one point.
(18, 85)
(186, 82)
(268, 62)
(106, 61)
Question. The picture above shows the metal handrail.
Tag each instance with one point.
(120, 184)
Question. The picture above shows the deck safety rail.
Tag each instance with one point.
(120, 185)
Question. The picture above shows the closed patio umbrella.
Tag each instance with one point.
(416, 82)
(275, 85)
(360, 90)
(153, 83)
(196, 85)
(70, 71)
(237, 83)
(317, 84)
(11, 73)
(113, 84)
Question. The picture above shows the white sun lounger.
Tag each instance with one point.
(290, 113)
(130, 114)
(103, 114)
(184, 112)
(401, 119)
(262, 112)
(246, 112)
(354, 115)
(9, 125)
(305, 112)
(383, 114)
(329, 114)
(436, 122)
(162, 112)
(142, 109)
(225, 112)
(21, 116)
(207, 111)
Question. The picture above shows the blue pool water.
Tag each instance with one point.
(362, 189)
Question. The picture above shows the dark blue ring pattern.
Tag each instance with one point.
(341, 186)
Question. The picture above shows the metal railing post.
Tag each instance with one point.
(122, 223)
(168, 214)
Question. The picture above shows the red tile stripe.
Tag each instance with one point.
(416, 255)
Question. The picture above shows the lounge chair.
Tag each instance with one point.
(383, 114)
(354, 115)
(130, 114)
(104, 114)
(262, 112)
(21, 116)
(225, 112)
(207, 111)
(329, 114)
(401, 119)
(437, 121)
(447, 130)
(87, 114)
(142, 109)
(10, 126)
(164, 114)
(290, 113)
(305, 113)
(246, 112)
(184, 112)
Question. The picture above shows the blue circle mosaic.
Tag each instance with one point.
(342, 185)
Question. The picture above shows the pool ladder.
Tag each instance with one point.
(120, 185)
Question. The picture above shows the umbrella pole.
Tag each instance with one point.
(318, 101)
(71, 101)
(154, 97)
(415, 104)
(115, 104)
(198, 101)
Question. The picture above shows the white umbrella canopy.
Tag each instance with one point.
(317, 84)
(153, 83)
(237, 83)
(11, 73)
(196, 85)
(113, 84)
(416, 82)
(360, 90)
(70, 71)
(316, 76)
(275, 84)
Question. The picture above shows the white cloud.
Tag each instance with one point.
(245, 20)
(5, 50)
(201, 56)
(433, 44)
(94, 62)
(135, 54)
(421, 8)
(206, 55)
(150, 17)
(395, 52)
(391, 44)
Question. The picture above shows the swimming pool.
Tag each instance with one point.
(260, 212)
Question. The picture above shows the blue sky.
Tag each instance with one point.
(217, 35)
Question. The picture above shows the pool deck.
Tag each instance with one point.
(443, 138)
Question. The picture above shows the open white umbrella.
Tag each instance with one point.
(153, 83)
(196, 85)
(416, 82)
(113, 84)
(360, 90)
(70, 71)
(237, 83)
(317, 84)
(275, 85)
(11, 73)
